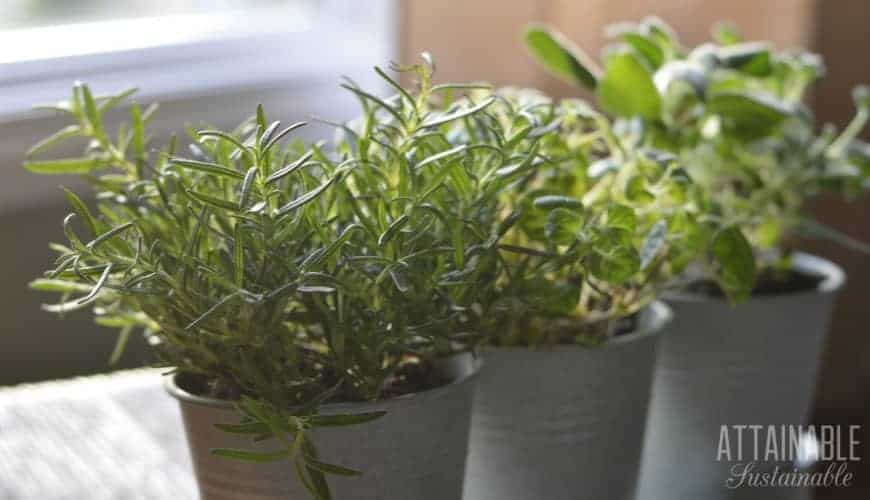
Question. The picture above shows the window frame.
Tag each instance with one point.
(294, 72)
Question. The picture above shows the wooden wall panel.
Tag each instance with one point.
(845, 382)
(471, 40)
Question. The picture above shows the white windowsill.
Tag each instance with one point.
(55, 42)
(176, 55)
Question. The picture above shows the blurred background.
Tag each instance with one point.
(213, 61)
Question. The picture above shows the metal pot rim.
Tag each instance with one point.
(833, 279)
(466, 365)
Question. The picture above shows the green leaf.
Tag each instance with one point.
(320, 488)
(318, 485)
(613, 259)
(111, 233)
(82, 211)
(736, 263)
(562, 298)
(636, 191)
(247, 184)
(315, 289)
(58, 285)
(441, 156)
(461, 86)
(692, 73)
(251, 456)
(267, 134)
(513, 169)
(253, 428)
(54, 139)
(627, 88)
(307, 197)
(223, 136)
(239, 254)
(399, 278)
(331, 468)
(553, 297)
(207, 167)
(212, 200)
(312, 405)
(438, 180)
(393, 228)
(377, 100)
(602, 167)
(120, 345)
(75, 304)
(549, 202)
(261, 117)
(653, 243)
(646, 47)
(441, 119)
(91, 111)
(334, 246)
(561, 57)
(563, 226)
(280, 135)
(70, 233)
(65, 166)
(344, 420)
(508, 222)
(220, 303)
(621, 217)
(289, 168)
(138, 131)
(396, 86)
(659, 31)
(109, 102)
(752, 58)
(749, 114)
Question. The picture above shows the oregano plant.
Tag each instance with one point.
(733, 112)
(596, 226)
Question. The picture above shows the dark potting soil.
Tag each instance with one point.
(411, 376)
(770, 282)
(568, 331)
(209, 387)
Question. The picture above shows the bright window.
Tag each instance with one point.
(17, 14)
(208, 61)
(48, 29)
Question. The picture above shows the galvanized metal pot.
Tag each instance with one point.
(564, 423)
(417, 450)
(754, 363)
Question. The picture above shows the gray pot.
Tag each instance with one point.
(754, 363)
(417, 450)
(564, 423)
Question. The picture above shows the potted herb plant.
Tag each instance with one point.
(315, 300)
(562, 401)
(733, 113)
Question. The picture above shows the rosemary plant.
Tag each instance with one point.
(733, 113)
(283, 275)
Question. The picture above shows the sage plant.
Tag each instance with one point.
(733, 112)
